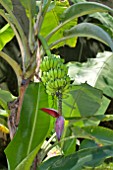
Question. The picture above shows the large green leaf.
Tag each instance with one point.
(8, 3)
(6, 35)
(68, 146)
(33, 129)
(83, 107)
(83, 8)
(104, 135)
(97, 72)
(104, 105)
(91, 31)
(97, 117)
(83, 100)
(86, 157)
(97, 134)
(105, 77)
(54, 15)
(75, 11)
(106, 20)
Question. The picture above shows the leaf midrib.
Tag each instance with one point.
(101, 69)
(34, 124)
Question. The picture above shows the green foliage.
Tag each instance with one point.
(97, 72)
(8, 4)
(84, 107)
(5, 97)
(91, 31)
(106, 166)
(98, 136)
(83, 8)
(32, 131)
(85, 101)
(6, 35)
(55, 14)
(106, 21)
(85, 157)
(74, 12)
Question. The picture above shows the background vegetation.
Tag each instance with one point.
(81, 33)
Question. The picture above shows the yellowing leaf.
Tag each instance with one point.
(4, 129)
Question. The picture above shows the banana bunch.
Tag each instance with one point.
(54, 75)
(50, 62)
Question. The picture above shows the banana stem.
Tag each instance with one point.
(60, 103)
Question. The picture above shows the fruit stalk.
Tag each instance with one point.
(60, 103)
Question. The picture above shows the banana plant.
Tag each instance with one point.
(29, 140)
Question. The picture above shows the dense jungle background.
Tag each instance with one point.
(83, 60)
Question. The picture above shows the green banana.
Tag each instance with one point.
(56, 84)
(62, 81)
(64, 68)
(59, 73)
(67, 79)
(53, 84)
(64, 96)
(55, 62)
(50, 84)
(43, 80)
(43, 65)
(62, 60)
(51, 62)
(44, 73)
(51, 72)
(47, 64)
(62, 73)
(50, 89)
(55, 73)
(58, 66)
(59, 83)
(48, 76)
(66, 87)
(66, 91)
(48, 92)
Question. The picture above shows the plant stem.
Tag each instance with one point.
(39, 16)
(45, 147)
(60, 103)
(55, 144)
(45, 45)
(59, 41)
(15, 22)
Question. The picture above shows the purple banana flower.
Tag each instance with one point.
(59, 124)
(59, 127)
(52, 112)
